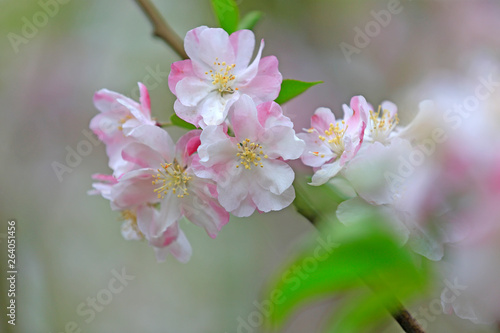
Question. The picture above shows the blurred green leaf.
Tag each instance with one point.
(175, 120)
(250, 20)
(227, 13)
(316, 203)
(367, 255)
(293, 88)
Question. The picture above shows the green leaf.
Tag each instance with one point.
(316, 203)
(250, 20)
(367, 255)
(227, 13)
(293, 88)
(181, 123)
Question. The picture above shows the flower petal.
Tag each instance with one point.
(191, 90)
(243, 43)
(178, 71)
(326, 172)
(276, 176)
(156, 138)
(267, 201)
(266, 84)
(322, 119)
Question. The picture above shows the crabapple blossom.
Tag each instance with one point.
(250, 168)
(119, 116)
(381, 124)
(331, 143)
(141, 222)
(218, 73)
(162, 173)
(146, 222)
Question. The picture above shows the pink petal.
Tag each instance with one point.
(389, 106)
(206, 45)
(142, 156)
(145, 101)
(266, 84)
(245, 76)
(179, 70)
(156, 138)
(243, 43)
(191, 90)
(276, 176)
(106, 100)
(133, 189)
(270, 114)
(267, 201)
(181, 249)
(186, 146)
(244, 119)
(187, 113)
(281, 141)
(326, 172)
(322, 119)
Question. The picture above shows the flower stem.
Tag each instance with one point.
(165, 124)
(401, 315)
(161, 28)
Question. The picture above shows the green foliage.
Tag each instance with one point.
(293, 88)
(176, 121)
(227, 13)
(316, 203)
(250, 20)
(366, 261)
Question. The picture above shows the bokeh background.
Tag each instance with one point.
(69, 243)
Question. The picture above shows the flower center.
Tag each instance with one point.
(222, 78)
(171, 177)
(130, 216)
(123, 121)
(334, 135)
(382, 124)
(250, 153)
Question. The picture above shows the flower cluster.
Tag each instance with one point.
(237, 162)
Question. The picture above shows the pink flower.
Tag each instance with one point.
(141, 223)
(381, 124)
(172, 240)
(249, 168)
(331, 143)
(162, 174)
(218, 73)
(119, 116)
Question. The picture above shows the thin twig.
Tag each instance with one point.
(407, 322)
(161, 28)
(401, 315)
(164, 124)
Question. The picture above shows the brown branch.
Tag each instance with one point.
(161, 28)
(407, 322)
(402, 316)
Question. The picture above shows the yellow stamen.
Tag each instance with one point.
(171, 176)
(250, 153)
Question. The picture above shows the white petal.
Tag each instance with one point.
(326, 172)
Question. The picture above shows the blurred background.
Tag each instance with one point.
(69, 246)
